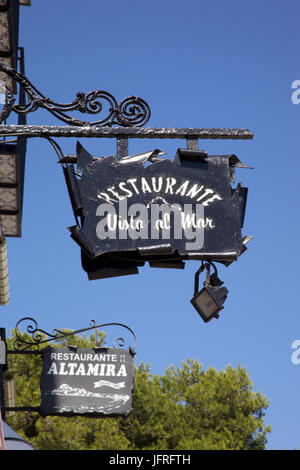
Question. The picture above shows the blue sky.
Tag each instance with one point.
(197, 65)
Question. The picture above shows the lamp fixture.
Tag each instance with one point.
(209, 301)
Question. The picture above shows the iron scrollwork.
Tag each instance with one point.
(38, 337)
(131, 111)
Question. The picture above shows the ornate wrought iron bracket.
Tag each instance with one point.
(40, 337)
(130, 115)
(131, 111)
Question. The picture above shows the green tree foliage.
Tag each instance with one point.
(187, 408)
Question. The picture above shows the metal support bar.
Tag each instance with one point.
(125, 132)
(122, 146)
(207, 275)
(192, 143)
(22, 408)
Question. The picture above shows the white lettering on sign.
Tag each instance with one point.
(120, 219)
(160, 185)
(154, 221)
(73, 368)
(66, 356)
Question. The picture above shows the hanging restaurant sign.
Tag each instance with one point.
(133, 209)
(148, 208)
(83, 381)
(95, 381)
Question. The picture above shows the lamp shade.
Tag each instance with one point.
(209, 301)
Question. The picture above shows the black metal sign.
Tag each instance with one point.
(94, 381)
(133, 209)
(83, 381)
(148, 208)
